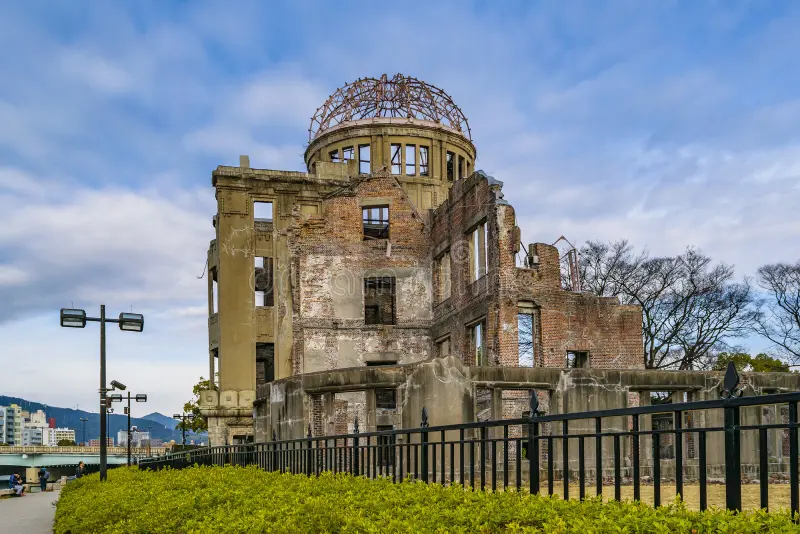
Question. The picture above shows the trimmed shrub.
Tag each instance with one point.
(218, 500)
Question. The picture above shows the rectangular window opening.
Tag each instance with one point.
(443, 348)
(450, 164)
(214, 292)
(262, 211)
(376, 222)
(379, 300)
(478, 251)
(364, 159)
(443, 277)
(396, 156)
(264, 294)
(411, 160)
(526, 323)
(265, 363)
(577, 359)
(423, 161)
(461, 167)
(348, 153)
(477, 337)
(381, 363)
(334, 155)
(386, 399)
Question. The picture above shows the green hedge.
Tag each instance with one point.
(247, 500)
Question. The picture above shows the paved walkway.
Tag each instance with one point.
(31, 514)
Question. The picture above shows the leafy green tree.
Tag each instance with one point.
(198, 423)
(66, 443)
(761, 363)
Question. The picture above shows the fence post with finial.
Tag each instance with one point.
(424, 444)
(354, 461)
(533, 443)
(309, 454)
(274, 455)
(733, 468)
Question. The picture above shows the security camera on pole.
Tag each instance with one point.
(131, 322)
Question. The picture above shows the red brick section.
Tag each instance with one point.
(608, 331)
(333, 242)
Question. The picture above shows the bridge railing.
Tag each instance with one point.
(40, 449)
(697, 442)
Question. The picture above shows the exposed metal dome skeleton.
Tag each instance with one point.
(400, 97)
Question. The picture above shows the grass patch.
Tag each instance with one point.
(247, 500)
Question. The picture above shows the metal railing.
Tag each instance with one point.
(520, 453)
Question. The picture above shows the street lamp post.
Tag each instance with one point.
(141, 397)
(183, 418)
(83, 420)
(132, 322)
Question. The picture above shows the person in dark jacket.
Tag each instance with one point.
(15, 483)
(79, 472)
(43, 476)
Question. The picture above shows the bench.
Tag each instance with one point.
(6, 493)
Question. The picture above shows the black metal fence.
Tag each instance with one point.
(600, 448)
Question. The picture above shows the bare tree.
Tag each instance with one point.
(689, 307)
(778, 316)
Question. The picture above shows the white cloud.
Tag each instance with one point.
(97, 72)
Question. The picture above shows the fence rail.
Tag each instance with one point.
(606, 447)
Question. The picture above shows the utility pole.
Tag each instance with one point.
(140, 397)
(83, 420)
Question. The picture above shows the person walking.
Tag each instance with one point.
(15, 483)
(79, 472)
(43, 476)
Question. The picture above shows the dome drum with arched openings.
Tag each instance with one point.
(398, 97)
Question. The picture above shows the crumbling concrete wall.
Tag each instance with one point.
(450, 393)
(332, 260)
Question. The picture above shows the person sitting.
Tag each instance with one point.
(15, 483)
(79, 472)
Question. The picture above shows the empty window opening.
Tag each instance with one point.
(396, 156)
(348, 153)
(381, 363)
(214, 292)
(264, 294)
(379, 300)
(577, 359)
(443, 277)
(477, 249)
(265, 363)
(386, 446)
(334, 155)
(386, 399)
(526, 328)
(262, 211)
(443, 348)
(450, 165)
(363, 159)
(461, 167)
(411, 160)
(376, 222)
(423, 161)
(477, 338)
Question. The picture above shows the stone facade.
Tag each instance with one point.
(390, 250)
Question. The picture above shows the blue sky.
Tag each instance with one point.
(669, 123)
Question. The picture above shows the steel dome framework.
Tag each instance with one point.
(399, 97)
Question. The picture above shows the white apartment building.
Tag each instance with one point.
(64, 433)
(137, 437)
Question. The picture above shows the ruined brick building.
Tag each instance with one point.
(385, 278)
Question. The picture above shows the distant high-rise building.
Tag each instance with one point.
(95, 442)
(51, 422)
(138, 438)
(38, 418)
(32, 435)
(11, 425)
